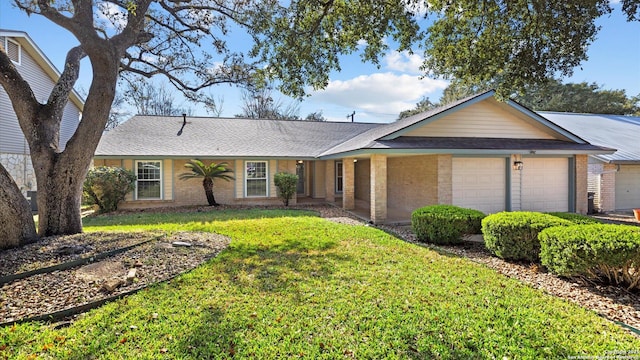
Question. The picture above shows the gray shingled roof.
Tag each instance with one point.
(614, 131)
(224, 137)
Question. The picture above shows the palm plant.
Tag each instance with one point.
(207, 173)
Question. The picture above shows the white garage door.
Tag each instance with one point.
(545, 184)
(479, 183)
(628, 187)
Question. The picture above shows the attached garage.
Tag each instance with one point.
(545, 184)
(479, 183)
(628, 187)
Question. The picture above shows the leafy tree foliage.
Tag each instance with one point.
(297, 43)
(513, 43)
(287, 184)
(315, 116)
(107, 186)
(553, 95)
(208, 173)
(421, 106)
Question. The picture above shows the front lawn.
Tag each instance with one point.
(301, 286)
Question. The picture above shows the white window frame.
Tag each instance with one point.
(6, 48)
(161, 179)
(339, 178)
(247, 179)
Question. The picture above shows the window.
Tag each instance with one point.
(149, 184)
(13, 50)
(256, 178)
(339, 177)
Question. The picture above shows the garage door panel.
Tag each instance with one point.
(479, 183)
(545, 184)
(628, 187)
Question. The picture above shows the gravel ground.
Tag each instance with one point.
(159, 260)
(154, 261)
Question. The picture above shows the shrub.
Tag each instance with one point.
(445, 224)
(603, 251)
(107, 186)
(287, 184)
(514, 235)
(576, 218)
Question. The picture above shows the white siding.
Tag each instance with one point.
(628, 187)
(481, 120)
(479, 183)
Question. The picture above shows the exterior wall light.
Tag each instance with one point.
(518, 165)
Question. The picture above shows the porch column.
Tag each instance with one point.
(349, 184)
(378, 188)
(581, 164)
(330, 181)
(445, 176)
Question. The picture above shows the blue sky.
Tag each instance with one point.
(376, 94)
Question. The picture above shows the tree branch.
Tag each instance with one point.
(64, 86)
(22, 97)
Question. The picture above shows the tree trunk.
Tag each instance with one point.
(16, 221)
(59, 194)
(207, 183)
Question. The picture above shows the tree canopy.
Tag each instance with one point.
(553, 95)
(295, 43)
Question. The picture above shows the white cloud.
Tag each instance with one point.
(378, 97)
(404, 62)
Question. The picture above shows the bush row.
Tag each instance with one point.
(598, 251)
(445, 224)
(566, 244)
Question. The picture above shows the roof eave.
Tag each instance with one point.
(505, 152)
(544, 121)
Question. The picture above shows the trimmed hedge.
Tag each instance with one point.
(603, 251)
(445, 224)
(514, 235)
(576, 218)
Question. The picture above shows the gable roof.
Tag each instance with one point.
(617, 131)
(375, 137)
(225, 137)
(28, 45)
(160, 136)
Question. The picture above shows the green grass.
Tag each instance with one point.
(305, 287)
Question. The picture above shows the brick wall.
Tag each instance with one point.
(413, 182)
(581, 183)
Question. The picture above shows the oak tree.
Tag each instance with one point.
(297, 43)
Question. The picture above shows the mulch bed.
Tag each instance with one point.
(159, 258)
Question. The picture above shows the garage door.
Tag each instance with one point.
(479, 183)
(628, 187)
(545, 184)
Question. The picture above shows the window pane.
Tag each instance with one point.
(148, 189)
(256, 187)
(256, 170)
(149, 170)
(149, 180)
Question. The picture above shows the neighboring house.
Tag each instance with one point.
(477, 152)
(41, 75)
(614, 178)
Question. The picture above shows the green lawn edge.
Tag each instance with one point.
(294, 285)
